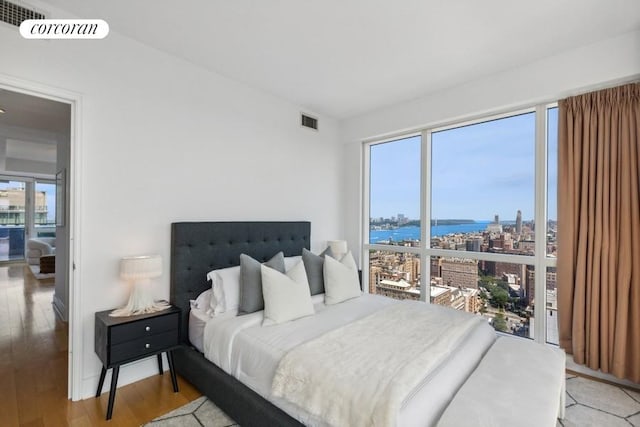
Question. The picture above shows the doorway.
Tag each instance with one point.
(35, 122)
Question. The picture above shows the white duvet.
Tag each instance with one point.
(245, 349)
(360, 374)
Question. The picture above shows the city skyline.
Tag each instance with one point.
(478, 171)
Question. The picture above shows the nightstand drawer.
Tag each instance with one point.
(143, 328)
(146, 345)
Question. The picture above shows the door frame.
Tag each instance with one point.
(75, 332)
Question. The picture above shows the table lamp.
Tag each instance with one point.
(139, 270)
(338, 248)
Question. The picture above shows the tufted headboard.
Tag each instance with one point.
(199, 247)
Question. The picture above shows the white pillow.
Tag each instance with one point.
(291, 261)
(286, 296)
(340, 279)
(203, 302)
(225, 284)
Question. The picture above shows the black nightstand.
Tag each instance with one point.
(120, 340)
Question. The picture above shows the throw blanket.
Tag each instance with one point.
(360, 374)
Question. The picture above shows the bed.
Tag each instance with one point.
(239, 382)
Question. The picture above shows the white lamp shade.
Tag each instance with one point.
(140, 267)
(338, 247)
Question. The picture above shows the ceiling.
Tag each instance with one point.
(30, 130)
(346, 57)
(30, 112)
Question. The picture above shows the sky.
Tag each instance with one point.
(477, 171)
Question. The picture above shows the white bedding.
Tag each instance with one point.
(197, 321)
(251, 353)
(361, 373)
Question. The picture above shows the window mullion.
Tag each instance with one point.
(541, 225)
(366, 214)
(425, 217)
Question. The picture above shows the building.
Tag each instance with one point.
(528, 246)
(411, 266)
(397, 289)
(374, 277)
(12, 207)
(459, 272)
(502, 241)
(513, 281)
(474, 244)
(472, 300)
(519, 222)
(440, 295)
(551, 284)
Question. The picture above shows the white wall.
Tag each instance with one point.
(163, 141)
(550, 79)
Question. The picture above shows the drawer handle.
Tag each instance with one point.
(147, 345)
(148, 328)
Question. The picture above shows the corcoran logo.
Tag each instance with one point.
(64, 29)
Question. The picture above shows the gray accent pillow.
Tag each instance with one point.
(314, 266)
(251, 299)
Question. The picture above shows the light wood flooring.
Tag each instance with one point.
(33, 367)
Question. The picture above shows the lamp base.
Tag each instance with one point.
(140, 302)
(127, 311)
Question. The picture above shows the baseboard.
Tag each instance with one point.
(59, 308)
(129, 373)
(598, 375)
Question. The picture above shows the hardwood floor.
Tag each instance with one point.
(33, 367)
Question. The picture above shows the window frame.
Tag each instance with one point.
(540, 261)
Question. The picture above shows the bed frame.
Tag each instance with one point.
(196, 249)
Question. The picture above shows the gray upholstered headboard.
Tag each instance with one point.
(199, 247)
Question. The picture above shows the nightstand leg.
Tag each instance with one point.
(174, 380)
(160, 368)
(101, 382)
(112, 393)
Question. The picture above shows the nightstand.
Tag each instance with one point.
(120, 340)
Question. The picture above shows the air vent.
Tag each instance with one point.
(13, 14)
(309, 122)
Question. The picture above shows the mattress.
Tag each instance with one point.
(243, 348)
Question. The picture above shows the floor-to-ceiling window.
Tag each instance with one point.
(27, 210)
(44, 209)
(483, 186)
(394, 226)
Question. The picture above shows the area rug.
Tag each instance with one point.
(589, 404)
(35, 270)
(199, 413)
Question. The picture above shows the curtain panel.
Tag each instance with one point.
(599, 229)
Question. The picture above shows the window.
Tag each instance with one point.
(394, 219)
(44, 218)
(395, 191)
(552, 180)
(12, 219)
(551, 290)
(482, 186)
